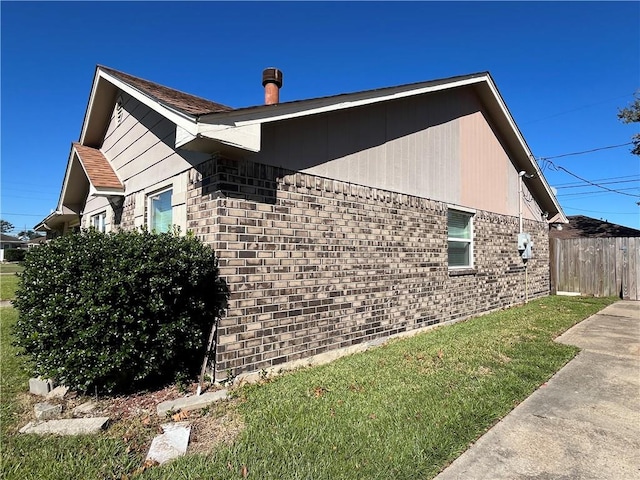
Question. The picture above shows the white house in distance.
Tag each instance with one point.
(337, 220)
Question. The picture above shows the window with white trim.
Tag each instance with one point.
(460, 238)
(99, 222)
(160, 211)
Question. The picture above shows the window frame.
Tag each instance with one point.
(99, 221)
(150, 216)
(470, 214)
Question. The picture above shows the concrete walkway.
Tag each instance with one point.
(583, 424)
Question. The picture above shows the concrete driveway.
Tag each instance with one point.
(582, 424)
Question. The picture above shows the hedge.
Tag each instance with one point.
(118, 311)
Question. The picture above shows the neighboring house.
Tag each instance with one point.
(7, 242)
(36, 241)
(580, 226)
(337, 220)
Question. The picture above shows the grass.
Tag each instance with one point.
(11, 267)
(403, 410)
(8, 285)
(8, 279)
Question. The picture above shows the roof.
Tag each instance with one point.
(202, 124)
(97, 167)
(4, 238)
(184, 102)
(580, 226)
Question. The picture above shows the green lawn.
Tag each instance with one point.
(400, 411)
(8, 285)
(11, 267)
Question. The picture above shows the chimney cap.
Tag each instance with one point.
(272, 75)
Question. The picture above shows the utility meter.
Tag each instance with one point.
(524, 245)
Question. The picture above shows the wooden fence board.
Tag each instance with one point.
(596, 266)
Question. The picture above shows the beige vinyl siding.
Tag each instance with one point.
(141, 147)
(484, 167)
(409, 145)
(489, 178)
(439, 146)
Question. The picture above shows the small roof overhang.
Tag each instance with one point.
(88, 174)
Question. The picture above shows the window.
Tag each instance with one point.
(99, 222)
(460, 237)
(160, 211)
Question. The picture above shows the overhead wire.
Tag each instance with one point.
(586, 151)
(558, 167)
(599, 180)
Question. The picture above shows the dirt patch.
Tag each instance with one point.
(133, 418)
(208, 432)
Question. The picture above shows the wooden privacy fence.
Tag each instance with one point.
(596, 266)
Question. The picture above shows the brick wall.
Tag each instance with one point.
(315, 264)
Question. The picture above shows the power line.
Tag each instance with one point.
(596, 211)
(22, 214)
(586, 151)
(576, 109)
(600, 180)
(593, 191)
(558, 167)
(603, 183)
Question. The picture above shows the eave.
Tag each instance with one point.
(240, 130)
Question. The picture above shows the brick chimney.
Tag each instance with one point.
(271, 81)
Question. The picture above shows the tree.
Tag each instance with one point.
(631, 114)
(6, 227)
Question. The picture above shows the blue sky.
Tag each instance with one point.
(564, 70)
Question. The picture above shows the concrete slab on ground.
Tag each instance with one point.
(84, 409)
(59, 392)
(46, 411)
(171, 444)
(193, 402)
(584, 423)
(70, 426)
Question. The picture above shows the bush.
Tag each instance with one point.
(14, 255)
(118, 311)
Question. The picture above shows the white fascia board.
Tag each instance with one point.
(65, 181)
(87, 113)
(103, 192)
(185, 121)
(269, 113)
(246, 137)
(242, 129)
(525, 147)
(183, 136)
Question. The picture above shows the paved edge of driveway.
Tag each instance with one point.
(584, 423)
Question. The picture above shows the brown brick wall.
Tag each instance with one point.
(126, 220)
(315, 264)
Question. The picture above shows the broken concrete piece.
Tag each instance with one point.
(194, 402)
(58, 392)
(171, 444)
(73, 426)
(40, 386)
(46, 411)
(83, 409)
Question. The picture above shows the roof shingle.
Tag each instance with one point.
(97, 167)
(184, 102)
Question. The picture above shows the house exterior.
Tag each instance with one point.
(8, 242)
(338, 220)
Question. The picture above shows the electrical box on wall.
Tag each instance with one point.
(525, 245)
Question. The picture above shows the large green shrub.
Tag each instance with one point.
(117, 311)
(14, 254)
